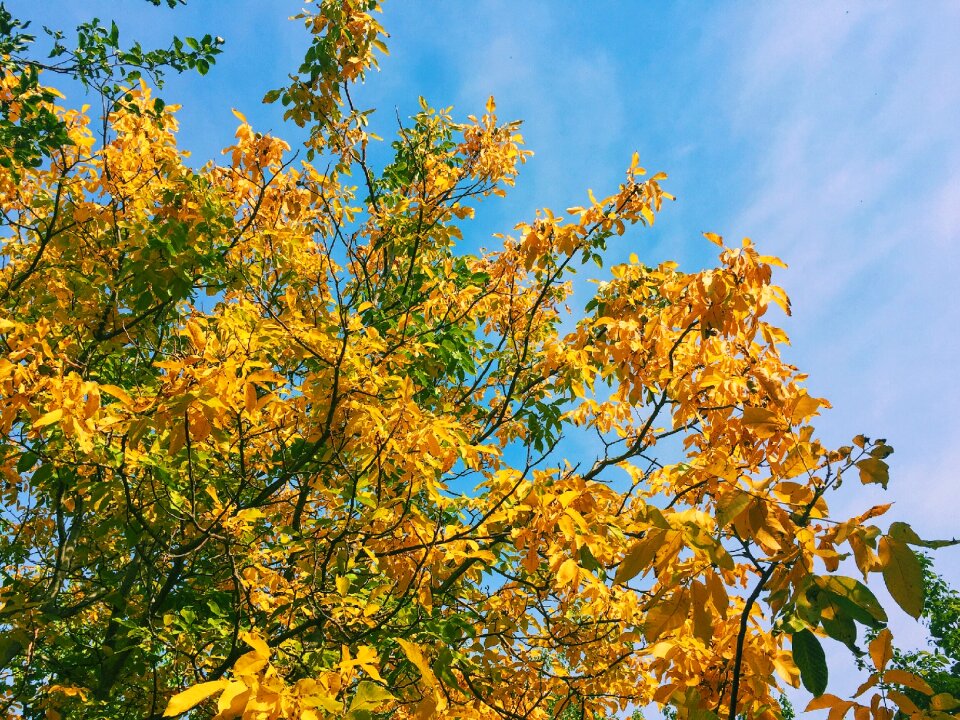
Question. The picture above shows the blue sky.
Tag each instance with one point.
(825, 131)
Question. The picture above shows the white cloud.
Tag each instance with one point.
(854, 117)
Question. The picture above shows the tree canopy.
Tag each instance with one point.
(277, 441)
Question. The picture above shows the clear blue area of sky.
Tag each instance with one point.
(825, 131)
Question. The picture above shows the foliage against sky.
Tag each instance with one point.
(273, 437)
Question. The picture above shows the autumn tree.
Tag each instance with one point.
(275, 444)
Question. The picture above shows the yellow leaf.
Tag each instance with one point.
(905, 704)
(70, 691)
(250, 397)
(730, 507)
(764, 423)
(199, 427)
(48, 418)
(902, 574)
(667, 615)
(839, 710)
(257, 643)
(823, 702)
(639, 556)
(804, 408)
(907, 679)
(231, 703)
(867, 684)
(181, 702)
(491, 105)
(427, 708)
(714, 238)
(416, 656)
(119, 393)
(249, 664)
(369, 696)
(944, 701)
(239, 116)
(874, 470)
(196, 335)
(881, 649)
(568, 572)
(787, 669)
(702, 617)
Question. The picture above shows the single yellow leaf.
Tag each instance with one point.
(881, 649)
(568, 572)
(239, 115)
(764, 423)
(667, 615)
(415, 654)
(804, 408)
(823, 702)
(249, 664)
(639, 556)
(48, 418)
(874, 470)
(944, 701)
(867, 684)
(196, 334)
(839, 710)
(787, 669)
(902, 574)
(907, 679)
(117, 392)
(250, 398)
(232, 701)
(903, 702)
(183, 701)
(369, 696)
(257, 643)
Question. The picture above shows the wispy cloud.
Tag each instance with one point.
(855, 112)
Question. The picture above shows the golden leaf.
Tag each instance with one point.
(48, 418)
(881, 649)
(183, 701)
(902, 574)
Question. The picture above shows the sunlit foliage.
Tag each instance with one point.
(275, 442)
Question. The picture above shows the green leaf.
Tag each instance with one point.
(810, 659)
(588, 560)
(840, 626)
(854, 595)
(41, 474)
(26, 461)
(903, 575)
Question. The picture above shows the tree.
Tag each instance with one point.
(938, 671)
(277, 445)
(29, 128)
